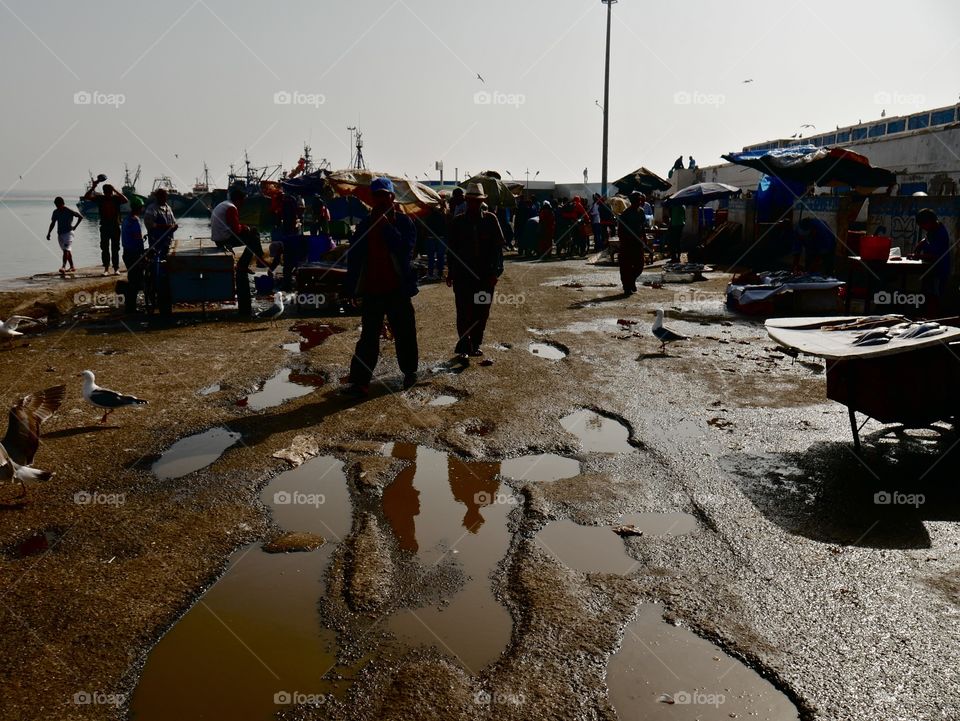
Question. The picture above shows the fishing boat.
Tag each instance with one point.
(200, 200)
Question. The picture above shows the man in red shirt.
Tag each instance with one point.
(108, 203)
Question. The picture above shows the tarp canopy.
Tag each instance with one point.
(701, 193)
(642, 179)
(815, 166)
(416, 199)
(498, 192)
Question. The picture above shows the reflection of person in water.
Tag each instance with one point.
(401, 503)
(475, 486)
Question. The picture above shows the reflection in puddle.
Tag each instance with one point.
(311, 335)
(443, 401)
(284, 386)
(659, 663)
(592, 549)
(447, 511)
(256, 633)
(598, 433)
(541, 467)
(660, 524)
(193, 453)
(547, 350)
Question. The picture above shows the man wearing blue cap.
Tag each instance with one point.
(380, 273)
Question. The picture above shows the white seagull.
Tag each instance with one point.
(20, 444)
(8, 329)
(104, 398)
(664, 334)
(274, 311)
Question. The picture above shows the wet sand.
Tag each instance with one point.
(845, 608)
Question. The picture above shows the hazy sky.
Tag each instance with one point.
(199, 79)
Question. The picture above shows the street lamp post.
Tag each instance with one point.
(606, 99)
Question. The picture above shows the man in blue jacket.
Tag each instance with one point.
(380, 274)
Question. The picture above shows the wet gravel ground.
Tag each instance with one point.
(849, 606)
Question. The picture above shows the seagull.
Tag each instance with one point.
(808, 125)
(20, 444)
(275, 310)
(664, 334)
(748, 80)
(104, 398)
(480, 78)
(8, 329)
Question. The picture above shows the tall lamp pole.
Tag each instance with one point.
(606, 100)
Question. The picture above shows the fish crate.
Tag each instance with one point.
(200, 273)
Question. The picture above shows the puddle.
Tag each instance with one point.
(443, 401)
(209, 390)
(256, 634)
(659, 663)
(284, 386)
(444, 511)
(597, 433)
(592, 549)
(541, 467)
(661, 524)
(193, 453)
(311, 335)
(550, 351)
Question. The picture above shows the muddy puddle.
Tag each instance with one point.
(286, 385)
(668, 673)
(550, 351)
(598, 433)
(592, 549)
(253, 643)
(446, 511)
(311, 336)
(660, 524)
(193, 453)
(443, 400)
(540, 467)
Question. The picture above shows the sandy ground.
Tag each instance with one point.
(848, 607)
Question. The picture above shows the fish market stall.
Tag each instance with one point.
(766, 293)
(884, 367)
(194, 271)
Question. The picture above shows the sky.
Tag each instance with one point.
(87, 87)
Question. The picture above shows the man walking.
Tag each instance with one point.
(63, 218)
(475, 262)
(226, 231)
(108, 205)
(633, 242)
(380, 274)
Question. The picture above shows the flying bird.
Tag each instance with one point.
(748, 80)
(20, 444)
(8, 329)
(105, 398)
(480, 78)
(664, 334)
(808, 125)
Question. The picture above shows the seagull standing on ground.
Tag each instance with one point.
(8, 329)
(104, 398)
(275, 310)
(664, 334)
(20, 444)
